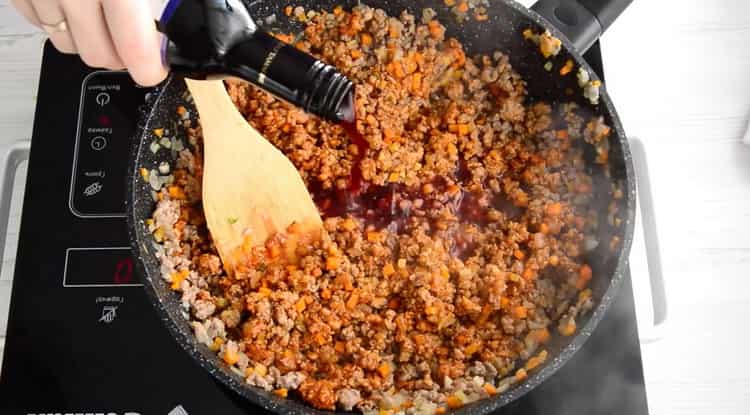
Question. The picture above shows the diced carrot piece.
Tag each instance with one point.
(528, 274)
(554, 209)
(436, 29)
(472, 348)
(388, 270)
(568, 328)
(346, 282)
(300, 305)
(320, 339)
(463, 7)
(450, 3)
(562, 134)
(460, 58)
(216, 345)
(340, 347)
(181, 110)
(504, 302)
(416, 83)
(159, 132)
(536, 361)
(397, 70)
(373, 236)
(273, 251)
(264, 292)
(544, 228)
(356, 53)
(281, 393)
(384, 369)
(454, 402)
(349, 224)
(567, 68)
(176, 193)
(481, 17)
(540, 335)
(485, 314)
(463, 129)
(519, 254)
(519, 312)
(366, 39)
(584, 276)
(288, 10)
(419, 59)
(423, 326)
(332, 263)
(178, 278)
(410, 64)
(286, 38)
(521, 375)
(440, 410)
(353, 301)
(338, 10)
(491, 390)
(325, 294)
(231, 357)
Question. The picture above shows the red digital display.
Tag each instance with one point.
(124, 271)
(100, 267)
(105, 121)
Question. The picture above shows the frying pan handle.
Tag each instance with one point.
(653, 330)
(582, 21)
(13, 155)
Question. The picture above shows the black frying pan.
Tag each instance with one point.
(582, 21)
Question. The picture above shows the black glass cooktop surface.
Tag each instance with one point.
(82, 337)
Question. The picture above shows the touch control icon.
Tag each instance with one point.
(109, 313)
(98, 143)
(93, 189)
(102, 99)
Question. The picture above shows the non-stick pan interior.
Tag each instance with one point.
(502, 31)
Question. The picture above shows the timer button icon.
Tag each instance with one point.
(102, 99)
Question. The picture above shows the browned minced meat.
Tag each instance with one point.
(460, 253)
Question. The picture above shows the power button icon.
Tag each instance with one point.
(98, 143)
(102, 99)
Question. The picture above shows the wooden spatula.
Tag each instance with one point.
(249, 187)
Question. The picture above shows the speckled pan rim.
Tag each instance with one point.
(168, 306)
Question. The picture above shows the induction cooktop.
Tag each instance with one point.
(82, 336)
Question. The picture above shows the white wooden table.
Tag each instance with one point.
(679, 72)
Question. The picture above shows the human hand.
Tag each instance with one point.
(112, 34)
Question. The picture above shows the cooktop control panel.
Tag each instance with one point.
(110, 101)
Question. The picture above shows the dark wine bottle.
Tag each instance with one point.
(219, 37)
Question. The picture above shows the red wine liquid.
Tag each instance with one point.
(389, 206)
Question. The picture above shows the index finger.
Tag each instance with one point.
(136, 39)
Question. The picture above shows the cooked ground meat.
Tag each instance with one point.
(453, 239)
